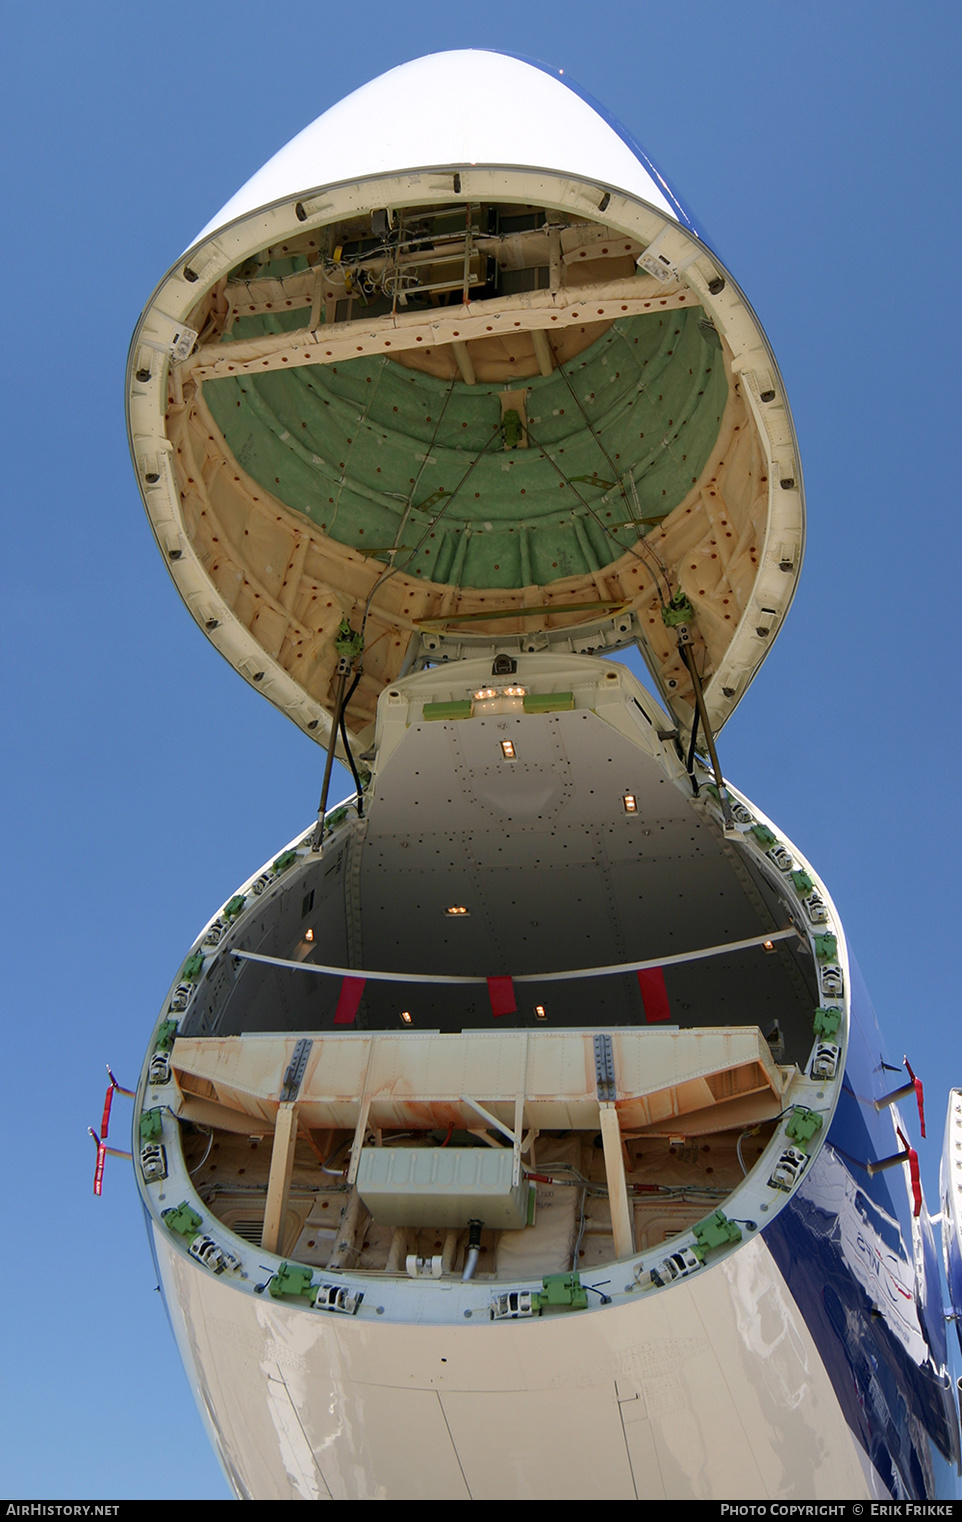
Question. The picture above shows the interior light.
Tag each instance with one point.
(406, 1016)
(308, 935)
(485, 692)
(631, 803)
(457, 909)
(515, 692)
(508, 750)
(540, 1012)
(768, 945)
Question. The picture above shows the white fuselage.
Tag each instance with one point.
(513, 1132)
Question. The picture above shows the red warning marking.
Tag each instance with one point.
(654, 995)
(105, 1122)
(348, 1000)
(501, 994)
(919, 1098)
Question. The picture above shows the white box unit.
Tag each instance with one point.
(442, 1186)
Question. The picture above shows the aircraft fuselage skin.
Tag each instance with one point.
(519, 1129)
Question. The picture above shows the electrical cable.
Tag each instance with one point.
(318, 839)
(609, 532)
(617, 475)
(451, 496)
(751, 1131)
(198, 1166)
(581, 1231)
(690, 763)
(434, 521)
(688, 658)
(390, 570)
(347, 746)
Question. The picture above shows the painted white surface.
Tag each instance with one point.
(459, 108)
(713, 1388)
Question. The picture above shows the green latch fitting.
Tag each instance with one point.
(233, 909)
(511, 428)
(716, 1231)
(284, 860)
(827, 1021)
(561, 1290)
(803, 883)
(436, 496)
(183, 1219)
(290, 1279)
(193, 967)
(166, 1034)
(151, 1125)
(826, 947)
(459, 708)
(347, 643)
(548, 702)
(803, 1125)
(766, 838)
(677, 612)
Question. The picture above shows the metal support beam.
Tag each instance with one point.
(486, 1115)
(359, 1134)
(464, 362)
(668, 959)
(390, 335)
(542, 350)
(279, 1180)
(622, 1221)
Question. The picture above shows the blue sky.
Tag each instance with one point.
(817, 145)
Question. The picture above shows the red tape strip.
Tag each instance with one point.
(348, 1000)
(501, 994)
(654, 995)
